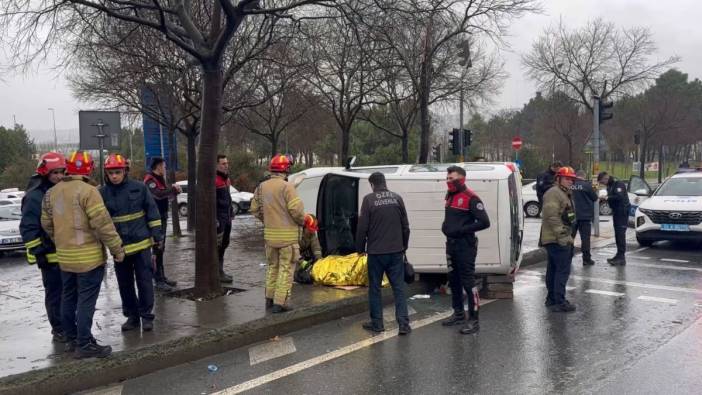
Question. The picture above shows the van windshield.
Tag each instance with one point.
(681, 186)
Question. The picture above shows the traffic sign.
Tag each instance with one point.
(517, 143)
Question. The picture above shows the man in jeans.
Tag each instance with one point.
(383, 233)
(584, 198)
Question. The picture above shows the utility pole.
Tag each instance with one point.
(53, 116)
(596, 157)
(461, 157)
(101, 140)
(466, 62)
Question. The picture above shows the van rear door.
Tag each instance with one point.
(337, 212)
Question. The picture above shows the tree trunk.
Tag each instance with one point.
(274, 145)
(644, 157)
(405, 146)
(173, 154)
(424, 121)
(192, 178)
(206, 263)
(345, 144)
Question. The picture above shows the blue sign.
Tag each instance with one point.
(519, 163)
(156, 140)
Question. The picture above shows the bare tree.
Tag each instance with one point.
(596, 60)
(559, 118)
(203, 32)
(425, 35)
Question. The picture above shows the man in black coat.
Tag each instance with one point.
(545, 180)
(584, 198)
(618, 200)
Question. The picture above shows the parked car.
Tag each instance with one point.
(532, 208)
(10, 238)
(10, 211)
(11, 193)
(673, 212)
(241, 200)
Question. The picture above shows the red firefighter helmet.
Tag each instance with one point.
(567, 172)
(280, 164)
(80, 163)
(116, 161)
(49, 162)
(311, 223)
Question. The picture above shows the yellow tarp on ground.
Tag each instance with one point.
(342, 270)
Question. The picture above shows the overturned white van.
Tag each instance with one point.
(335, 194)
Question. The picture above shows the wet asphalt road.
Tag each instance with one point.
(638, 329)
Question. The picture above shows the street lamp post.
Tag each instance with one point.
(53, 116)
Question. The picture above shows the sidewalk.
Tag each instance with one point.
(184, 330)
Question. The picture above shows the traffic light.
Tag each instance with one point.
(454, 143)
(604, 114)
(467, 135)
(436, 153)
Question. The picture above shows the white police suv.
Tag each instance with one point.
(673, 212)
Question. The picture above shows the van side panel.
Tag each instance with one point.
(424, 200)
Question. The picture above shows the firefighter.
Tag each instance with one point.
(464, 216)
(75, 218)
(310, 250)
(618, 200)
(557, 237)
(277, 205)
(156, 183)
(225, 214)
(138, 223)
(40, 249)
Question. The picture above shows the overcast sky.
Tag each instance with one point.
(675, 25)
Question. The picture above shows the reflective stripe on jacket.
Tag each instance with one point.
(75, 217)
(134, 213)
(277, 205)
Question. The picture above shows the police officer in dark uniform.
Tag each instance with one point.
(545, 181)
(464, 215)
(138, 222)
(584, 199)
(40, 249)
(618, 200)
(156, 183)
(225, 213)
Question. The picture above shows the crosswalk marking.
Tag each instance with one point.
(655, 299)
(271, 350)
(608, 293)
(666, 267)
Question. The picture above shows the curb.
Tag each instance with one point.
(79, 375)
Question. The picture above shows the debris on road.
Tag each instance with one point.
(212, 368)
(420, 296)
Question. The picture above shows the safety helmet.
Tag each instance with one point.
(567, 172)
(49, 162)
(80, 163)
(116, 161)
(280, 164)
(311, 223)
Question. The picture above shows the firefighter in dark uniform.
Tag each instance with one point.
(138, 223)
(464, 216)
(225, 214)
(545, 181)
(40, 249)
(618, 200)
(155, 181)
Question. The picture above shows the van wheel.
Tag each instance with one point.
(643, 242)
(235, 209)
(532, 209)
(183, 210)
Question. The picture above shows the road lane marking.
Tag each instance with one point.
(655, 299)
(271, 350)
(639, 250)
(608, 293)
(674, 260)
(628, 283)
(666, 267)
(300, 366)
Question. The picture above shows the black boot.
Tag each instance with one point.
(278, 308)
(370, 326)
(59, 337)
(588, 262)
(131, 324)
(454, 320)
(617, 260)
(147, 325)
(471, 327)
